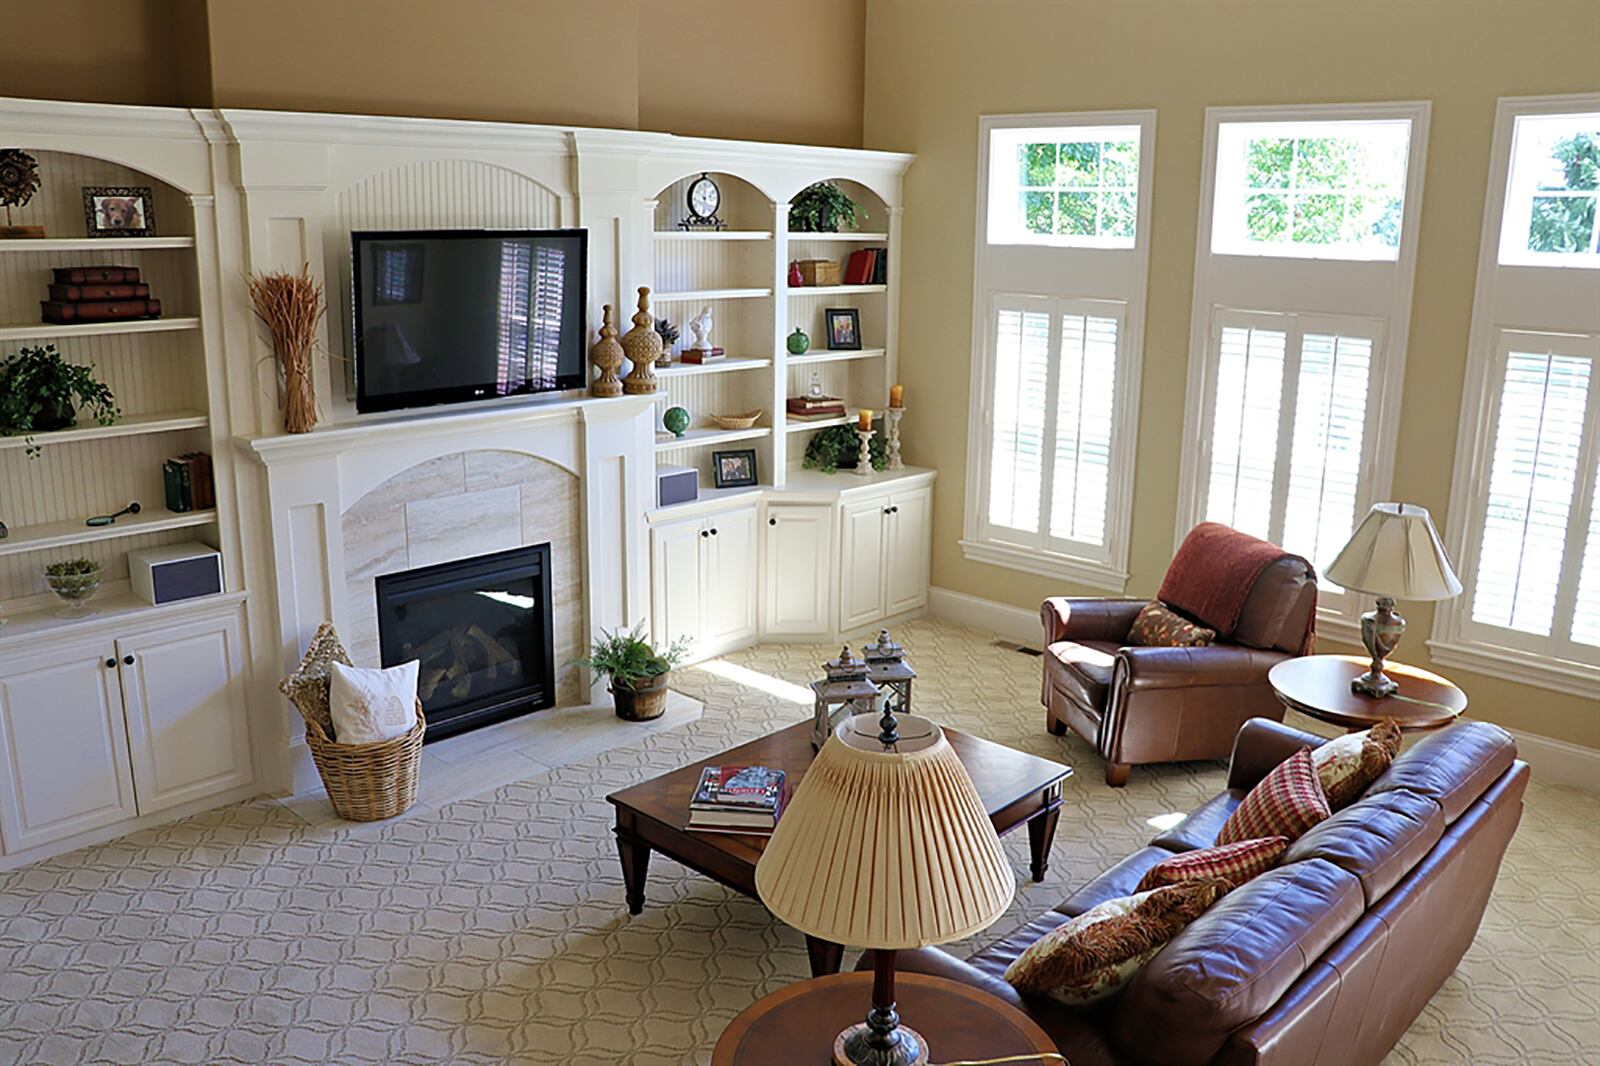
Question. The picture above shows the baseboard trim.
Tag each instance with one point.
(1559, 762)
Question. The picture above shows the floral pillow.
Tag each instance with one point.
(1158, 627)
(1347, 765)
(1286, 803)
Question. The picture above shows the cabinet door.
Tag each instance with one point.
(861, 561)
(183, 689)
(796, 570)
(63, 745)
(676, 583)
(906, 551)
(730, 573)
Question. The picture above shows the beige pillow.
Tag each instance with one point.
(1347, 765)
(1096, 954)
(372, 705)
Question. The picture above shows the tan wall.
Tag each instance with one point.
(934, 66)
(133, 52)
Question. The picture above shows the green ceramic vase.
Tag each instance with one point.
(799, 343)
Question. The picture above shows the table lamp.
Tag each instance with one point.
(885, 845)
(1394, 552)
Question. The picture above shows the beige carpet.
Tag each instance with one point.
(493, 929)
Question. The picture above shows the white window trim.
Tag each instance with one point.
(1452, 642)
(1107, 570)
(1338, 617)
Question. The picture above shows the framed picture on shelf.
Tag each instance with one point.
(119, 211)
(735, 468)
(844, 328)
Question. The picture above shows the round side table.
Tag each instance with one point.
(1319, 685)
(797, 1024)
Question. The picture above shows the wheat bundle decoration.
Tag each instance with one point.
(291, 306)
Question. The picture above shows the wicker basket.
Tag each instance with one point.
(819, 271)
(365, 782)
(744, 421)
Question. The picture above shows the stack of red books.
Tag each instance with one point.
(814, 408)
(98, 294)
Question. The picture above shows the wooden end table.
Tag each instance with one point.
(797, 1024)
(1016, 788)
(1319, 685)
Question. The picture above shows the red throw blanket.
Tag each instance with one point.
(1211, 577)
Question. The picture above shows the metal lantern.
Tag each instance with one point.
(847, 691)
(887, 668)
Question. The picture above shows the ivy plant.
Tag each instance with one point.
(41, 391)
(823, 208)
(838, 447)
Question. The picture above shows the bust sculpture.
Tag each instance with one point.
(700, 326)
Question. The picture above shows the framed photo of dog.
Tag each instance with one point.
(119, 211)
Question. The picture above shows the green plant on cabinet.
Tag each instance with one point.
(838, 447)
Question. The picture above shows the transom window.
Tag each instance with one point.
(1330, 189)
(1067, 186)
(1550, 211)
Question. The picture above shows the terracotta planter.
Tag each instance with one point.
(642, 702)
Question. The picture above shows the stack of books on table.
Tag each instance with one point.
(189, 483)
(98, 294)
(738, 799)
(814, 408)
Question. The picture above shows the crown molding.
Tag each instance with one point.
(247, 126)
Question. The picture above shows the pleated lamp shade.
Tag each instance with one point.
(1395, 551)
(886, 849)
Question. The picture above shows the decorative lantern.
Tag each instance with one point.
(887, 668)
(846, 692)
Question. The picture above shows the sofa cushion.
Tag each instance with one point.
(1347, 765)
(1084, 669)
(1234, 962)
(1287, 802)
(1159, 627)
(1119, 880)
(1377, 840)
(1200, 828)
(1234, 863)
(1452, 766)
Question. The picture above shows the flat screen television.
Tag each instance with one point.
(450, 316)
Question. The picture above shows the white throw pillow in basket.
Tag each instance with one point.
(372, 705)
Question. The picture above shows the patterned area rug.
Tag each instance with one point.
(494, 930)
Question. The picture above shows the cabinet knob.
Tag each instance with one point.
(713, 531)
(705, 533)
(111, 664)
(772, 521)
(127, 660)
(886, 510)
(895, 509)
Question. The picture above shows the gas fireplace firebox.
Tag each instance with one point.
(480, 630)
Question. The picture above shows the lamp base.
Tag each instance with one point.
(853, 1048)
(1381, 630)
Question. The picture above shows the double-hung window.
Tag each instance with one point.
(1523, 524)
(1303, 273)
(1058, 316)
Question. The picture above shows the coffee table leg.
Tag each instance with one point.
(1042, 834)
(825, 958)
(635, 855)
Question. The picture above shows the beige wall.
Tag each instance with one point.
(133, 52)
(934, 66)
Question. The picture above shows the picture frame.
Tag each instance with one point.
(734, 468)
(844, 328)
(119, 211)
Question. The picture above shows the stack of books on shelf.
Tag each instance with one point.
(98, 294)
(814, 408)
(867, 266)
(747, 800)
(189, 483)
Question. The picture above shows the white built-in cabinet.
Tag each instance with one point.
(105, 729)
(797, 557)
(884, 556)
(703, 579)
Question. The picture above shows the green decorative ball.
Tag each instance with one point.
(676, 420)
(799, 343)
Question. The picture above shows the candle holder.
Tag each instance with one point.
(894, 414)
(864, 456)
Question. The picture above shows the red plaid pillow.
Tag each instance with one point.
(1286, 803)
(1234, 863)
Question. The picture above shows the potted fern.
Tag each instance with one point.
(823, 208)
(40, 392)
(636, 671)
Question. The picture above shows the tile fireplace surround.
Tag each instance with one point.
(358, 499)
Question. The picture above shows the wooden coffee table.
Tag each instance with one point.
(797, 1024)
(1319, 685)
(1016, 788)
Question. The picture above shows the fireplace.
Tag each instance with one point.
(481, 632)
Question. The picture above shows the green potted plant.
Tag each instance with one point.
(636, 671)
(838, 447)
(822, 208)
(41, 392)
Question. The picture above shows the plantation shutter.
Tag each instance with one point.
(1022, 345)
(1086, 395)
(1326, 457)
(1586, 610)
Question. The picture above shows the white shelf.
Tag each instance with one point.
(708, 498)
(829, 356)
(835, 290)
(714, 235)
(21, 331)
(699, 295)
(795, 238)
(94, 244)
(695, 438)
(63, 534)
(133, 426)
(720, 366)
(791, 425)
(113, 608)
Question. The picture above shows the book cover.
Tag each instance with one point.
(101, 275)
(756, 788)
(880, 268)
(174, 487)
(859, 269)
(87, 293)
(62, 313)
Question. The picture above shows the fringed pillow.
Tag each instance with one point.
(1286, 803)
(1347, 765)
(1096, 954)
(1234, 863)
(1157, 626)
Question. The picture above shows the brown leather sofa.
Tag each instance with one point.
(1325, 960)
(1153, 705)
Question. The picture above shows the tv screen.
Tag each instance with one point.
(447, 316)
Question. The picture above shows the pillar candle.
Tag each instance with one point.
(897, 395)
(866, 419)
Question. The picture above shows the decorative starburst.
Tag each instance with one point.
(19, 177)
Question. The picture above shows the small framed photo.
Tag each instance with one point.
(844, 328)
(119, 211)
(735, 468)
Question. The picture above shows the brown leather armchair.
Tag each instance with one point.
(1153, 705)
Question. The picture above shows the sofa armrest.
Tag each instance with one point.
(1262, 745)
(937, 962)
(1087, 618)
(1203, 667)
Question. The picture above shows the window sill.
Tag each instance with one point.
(1523, 667)
(1047, 564)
